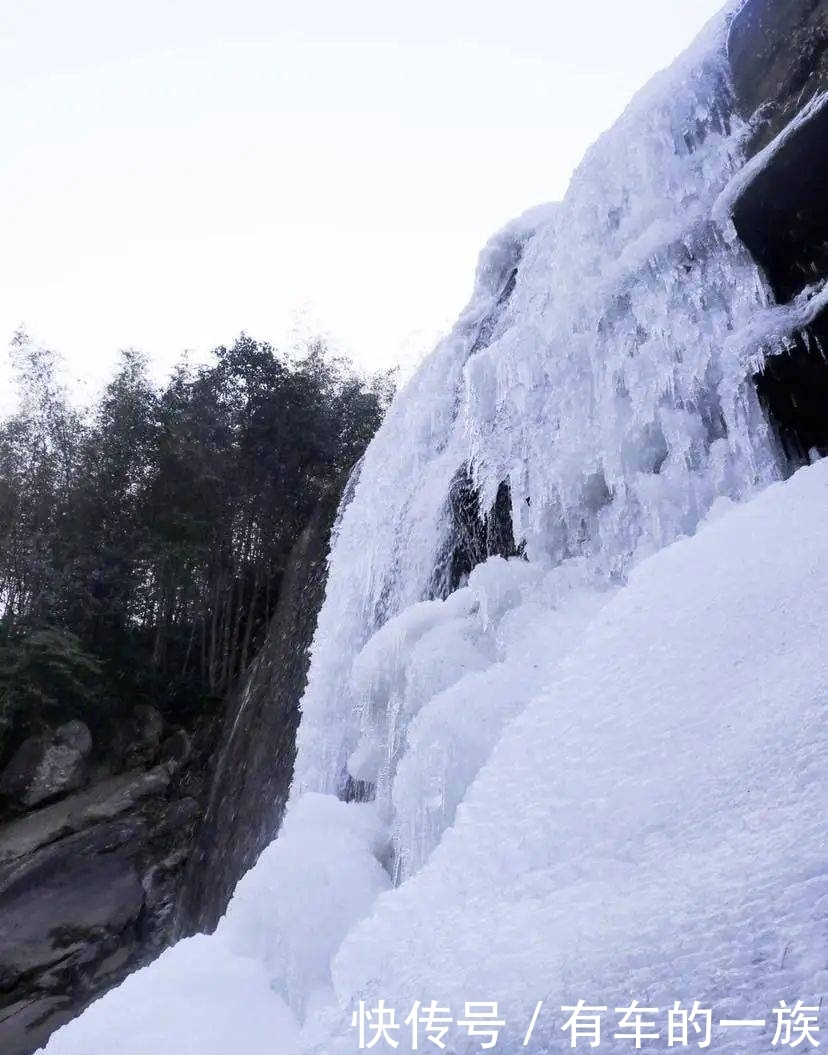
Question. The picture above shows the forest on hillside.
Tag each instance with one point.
(143, 540)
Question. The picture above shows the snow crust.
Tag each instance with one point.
(595, 772)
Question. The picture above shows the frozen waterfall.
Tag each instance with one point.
(602, 368)
(558, 779)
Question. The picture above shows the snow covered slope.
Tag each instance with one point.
(651, 827)
(654, 824)
(595, 773)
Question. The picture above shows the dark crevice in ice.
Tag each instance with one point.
(476, 535)
(793, 390)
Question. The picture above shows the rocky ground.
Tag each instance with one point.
(91, 858)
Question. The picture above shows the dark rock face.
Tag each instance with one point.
(793, 389)
(782, 216)
(139, 737)
(779, 60)
(88, 885)
(254, 764)
(475, 534)
(59, 905)
(44, 767)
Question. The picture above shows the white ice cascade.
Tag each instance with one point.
(603, 369)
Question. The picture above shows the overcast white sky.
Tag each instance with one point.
(174, 171)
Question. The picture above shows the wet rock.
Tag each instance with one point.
(47, 766)
(253, 766)
(78, 899)
(475, 534)
(100, 802)
(88, 888)
(779, 59)
(793, 390)
(69, 922)
(180, 814)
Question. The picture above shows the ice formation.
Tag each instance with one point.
(591, 771)
(602, 367)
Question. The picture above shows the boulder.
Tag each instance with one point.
(102, 801)
(138, 737)
(88, 888)
(177, 749)
(62, 920)
(69, 923)
(47, 766)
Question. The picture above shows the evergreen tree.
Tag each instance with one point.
(144, 542)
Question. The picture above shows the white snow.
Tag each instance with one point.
(652, 826)
(197, 999)
(598, 771)
(267, 965)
